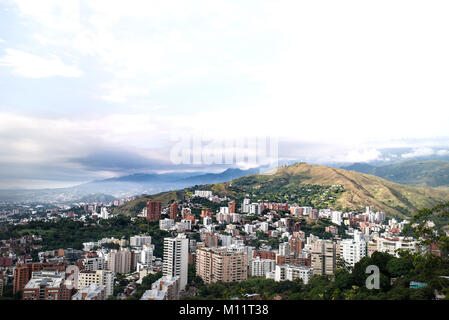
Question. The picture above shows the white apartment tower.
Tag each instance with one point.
(175, 264)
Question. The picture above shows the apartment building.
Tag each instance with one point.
(46, 285)
(324, 257)
(392, 244)
(139, 241)
(292, 272)
(100, 277)
(166, 288)
(219, 264)
(260, 267)
(91, 292)
(120, 261)
(176, 253)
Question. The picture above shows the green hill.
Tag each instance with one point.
(134, 207)
(424, 173)
(320, 187)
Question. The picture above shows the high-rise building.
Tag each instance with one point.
(296, 246)
(176, 253)
(120, 261)
(154, 209)
(284, 249)
(231, 206)
(211, 240)
(219, 264)
(174, 211)
(260, 267)
(324, 257)
(94, 263)
(185, 212)
(206, 213)
(245, 205)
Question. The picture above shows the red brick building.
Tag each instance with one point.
(154, 209)
(174, 211)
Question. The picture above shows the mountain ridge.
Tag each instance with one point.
(360, 190)
(418, 173)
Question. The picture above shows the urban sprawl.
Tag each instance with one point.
(230, 244)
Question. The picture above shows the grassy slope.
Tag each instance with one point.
(418, 173)
(134, 207)
(366, 190)
(360, 189)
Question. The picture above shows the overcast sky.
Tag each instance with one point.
(93, 89)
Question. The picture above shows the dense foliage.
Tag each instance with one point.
(349, 283)
(395, 276)
(67, 233)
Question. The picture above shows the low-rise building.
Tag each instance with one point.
(91, 292)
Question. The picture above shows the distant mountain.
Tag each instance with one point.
(419, 173)
(226, 175)
(318, 185)
(130, 185)
(96, 197)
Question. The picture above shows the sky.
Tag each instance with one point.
(98, 89)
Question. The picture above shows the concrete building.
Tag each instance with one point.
(292, 272)
(353, 250)
(120, 261)
(219, 264)
(203, 193)
(260, 267)
(46, 285)
(176, 253)
(392, 244)
(154, 209)
(91, 292)
(166, 288)
(166, 224)
(94, 263)
(324, 257)
(245, 205)
(23, 272)
(174, 211)
(100, 277)
(139, 241)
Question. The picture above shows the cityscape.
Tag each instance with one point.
(184, 246)
(219, 159)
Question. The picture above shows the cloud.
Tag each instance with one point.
(442, 152)
(421, 152)
(32, 66)
(330, 81)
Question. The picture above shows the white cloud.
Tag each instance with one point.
(32, 66)
(364, 155)
(442, 152)
(421, 152)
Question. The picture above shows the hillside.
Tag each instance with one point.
(319, 186)
(423, 173)
(134, 207)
